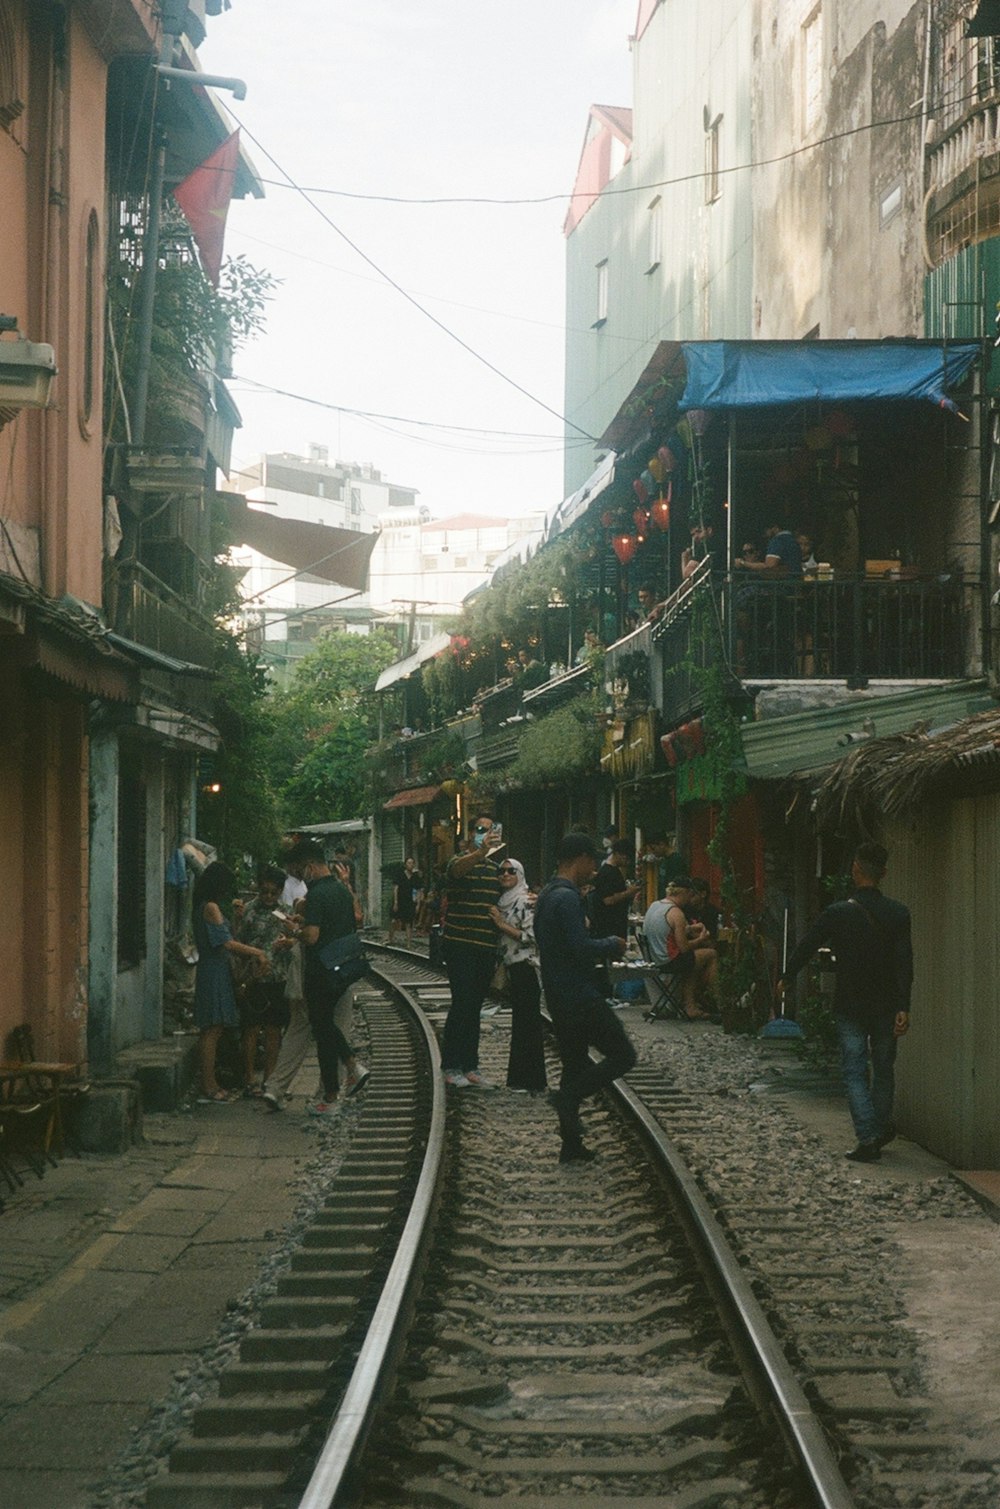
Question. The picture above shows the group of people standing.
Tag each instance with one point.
(283, 968)
(579, 921)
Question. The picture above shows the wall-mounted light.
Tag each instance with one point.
(26, 369)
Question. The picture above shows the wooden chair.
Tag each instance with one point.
(28, 1116)
(63, 1080)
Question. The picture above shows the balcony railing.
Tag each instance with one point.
(145, 609)
(853, 629)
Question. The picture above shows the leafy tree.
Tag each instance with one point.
(321, 726)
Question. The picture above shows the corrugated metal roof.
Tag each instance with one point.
(806, 743)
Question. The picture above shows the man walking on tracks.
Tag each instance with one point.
(470, 950)
(574, 992)
(870, 938)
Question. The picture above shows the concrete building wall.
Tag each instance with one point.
(837, 198)
(678, 252)
(950, 1062)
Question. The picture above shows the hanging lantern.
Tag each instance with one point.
(660, 512)
(640, 489)
(656, 468)
(699, 420)
(640, 518)
(667, 458)
(451, 788)
(624, 547)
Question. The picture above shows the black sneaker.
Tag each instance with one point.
(575, 1152)
(889, 1135)
(866, 1152)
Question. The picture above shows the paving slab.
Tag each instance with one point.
(118, 1378)
(24, 1373)
(136, 1252)
(72, 1436)
(75, 1310)
(43, 1490)
(195, 1301)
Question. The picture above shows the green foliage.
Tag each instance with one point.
(241, 819)
(320, 728)
(559, 748)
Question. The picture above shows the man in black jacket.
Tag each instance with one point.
(574, 992)
(870, 938)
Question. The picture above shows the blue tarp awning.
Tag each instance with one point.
(758, 374)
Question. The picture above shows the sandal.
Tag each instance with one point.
(218, 1097)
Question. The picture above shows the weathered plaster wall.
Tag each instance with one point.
(824, 257)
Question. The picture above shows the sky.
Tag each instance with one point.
(438, 99)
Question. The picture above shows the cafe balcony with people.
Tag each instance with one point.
(860, 456)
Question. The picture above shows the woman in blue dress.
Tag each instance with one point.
(214, 1000)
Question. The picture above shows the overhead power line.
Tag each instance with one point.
(445, 329)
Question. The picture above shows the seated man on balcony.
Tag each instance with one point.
(775, 635)
(680, 947)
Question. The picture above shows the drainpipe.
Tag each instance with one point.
(53, 511)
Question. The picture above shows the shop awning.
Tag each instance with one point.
(758, 374)
(807, 743)
(400, 669)
(340, 556)
(573, 507)
(417, 796)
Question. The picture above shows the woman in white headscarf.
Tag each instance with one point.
(513, 917)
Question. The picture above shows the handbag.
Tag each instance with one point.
(344, 958)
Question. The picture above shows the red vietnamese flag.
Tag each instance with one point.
(204, 197)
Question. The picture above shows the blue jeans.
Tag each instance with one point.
(470, 971)
(869, 1101)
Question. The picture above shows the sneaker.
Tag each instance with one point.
(456, 1080)
(271, 1101)
(865, 1152)
(575, 1152)
(473, 1077)
(570, 1129)
(322, 1108)
(354, 1082)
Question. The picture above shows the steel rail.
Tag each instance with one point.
(773, 1384)
(332, 1481)
(771, 1379)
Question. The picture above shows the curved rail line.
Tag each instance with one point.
(339, 1471)
(771, 1381)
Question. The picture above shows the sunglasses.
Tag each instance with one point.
(482, 830)
(506, 872)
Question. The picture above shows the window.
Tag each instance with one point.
(355, 500)
(602, 293)
(812, 71)
(890, 204)
(654, 233)
(713, 181)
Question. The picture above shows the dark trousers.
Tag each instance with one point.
(586, 1024)
(470, 971)
(332, 1047)
(526, 1064)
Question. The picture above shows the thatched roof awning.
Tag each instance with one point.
(898, 774)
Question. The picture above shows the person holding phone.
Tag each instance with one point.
(470, 948)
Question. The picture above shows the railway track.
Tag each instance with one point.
(586, 1333)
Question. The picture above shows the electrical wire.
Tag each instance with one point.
(445, 329)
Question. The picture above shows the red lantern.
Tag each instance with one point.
(660, 513)
(640, 517)
(640, 489)
(624, 547)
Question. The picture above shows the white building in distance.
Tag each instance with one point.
(421, 568)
